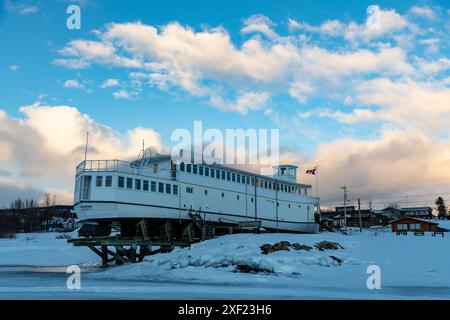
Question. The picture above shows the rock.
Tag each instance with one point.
(298, 246)
(339, 261)
(266, 248)
(286, 243)
(251, 269)
(280, 246)
(328, 245)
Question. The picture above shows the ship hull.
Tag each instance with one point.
(109, 211)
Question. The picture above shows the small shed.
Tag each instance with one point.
(408, 224)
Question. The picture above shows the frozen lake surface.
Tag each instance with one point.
(24, 282)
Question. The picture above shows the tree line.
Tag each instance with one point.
(30, 215)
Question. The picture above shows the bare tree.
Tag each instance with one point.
(16, 204)
(49, 203)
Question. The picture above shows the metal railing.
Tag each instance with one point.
(105, 165)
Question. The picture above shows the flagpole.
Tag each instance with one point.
(317, 193)
(317, 181)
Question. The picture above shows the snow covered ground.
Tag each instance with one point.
(412, 267)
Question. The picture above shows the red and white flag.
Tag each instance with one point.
(311, 171)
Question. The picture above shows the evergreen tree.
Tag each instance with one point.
(441, 207)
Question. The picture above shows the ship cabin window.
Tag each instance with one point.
(189, 190)
(168, 188)
(228, 176)
(188, 168)
(233, 177)
(252, 199)
(194, 169)
(253, 181)
(108, 181)
(206, 192)
(153, 186)
(121, 182)
(206, 171)
(289, 189)
(223, 195)
(99, 181)
(289, 205)
(238, 178)
(155, 168)
(86, 187)
(223, 175)
(160, 187)
(212, 173)
(237, 197)
(182, 166)
(248, 180)
(137, 184)
(270, 185)
(145, 185)
(175, 189)
(265, 184)
(129, 183)
(200, 170)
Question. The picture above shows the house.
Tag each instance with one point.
(409, 224)
(415, 212)
(369, 217)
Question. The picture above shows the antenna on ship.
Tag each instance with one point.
(86, 147)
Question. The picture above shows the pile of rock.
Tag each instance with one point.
(283, 245)
(328, 245)
(286, 246)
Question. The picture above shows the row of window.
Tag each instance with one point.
(412, 226)
(137, 184)
(238, 178)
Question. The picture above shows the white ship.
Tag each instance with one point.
(158, 189)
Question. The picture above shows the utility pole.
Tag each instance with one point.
(345, 204)
(359, 214)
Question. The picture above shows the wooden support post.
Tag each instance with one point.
(104, 255)
(133, 253)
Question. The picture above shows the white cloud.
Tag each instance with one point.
(397, 162)
(409, 104)
(329, 27)
(109, 83)
(244, 103)
(260, 24)
(14, 68)
(122, 94)
(73, 84)
(425, 12)
(72, 63)
(20, 8)
(210, 60)
(379, 23)
(434, 66)
(48, 141)
(29, 10)
(300, 91)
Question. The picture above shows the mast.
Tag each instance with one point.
(86, 148)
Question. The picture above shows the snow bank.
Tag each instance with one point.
(405, 261)
(43, 249)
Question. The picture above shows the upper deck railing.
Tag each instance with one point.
(106, 165)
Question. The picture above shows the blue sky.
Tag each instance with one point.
(342, 92)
